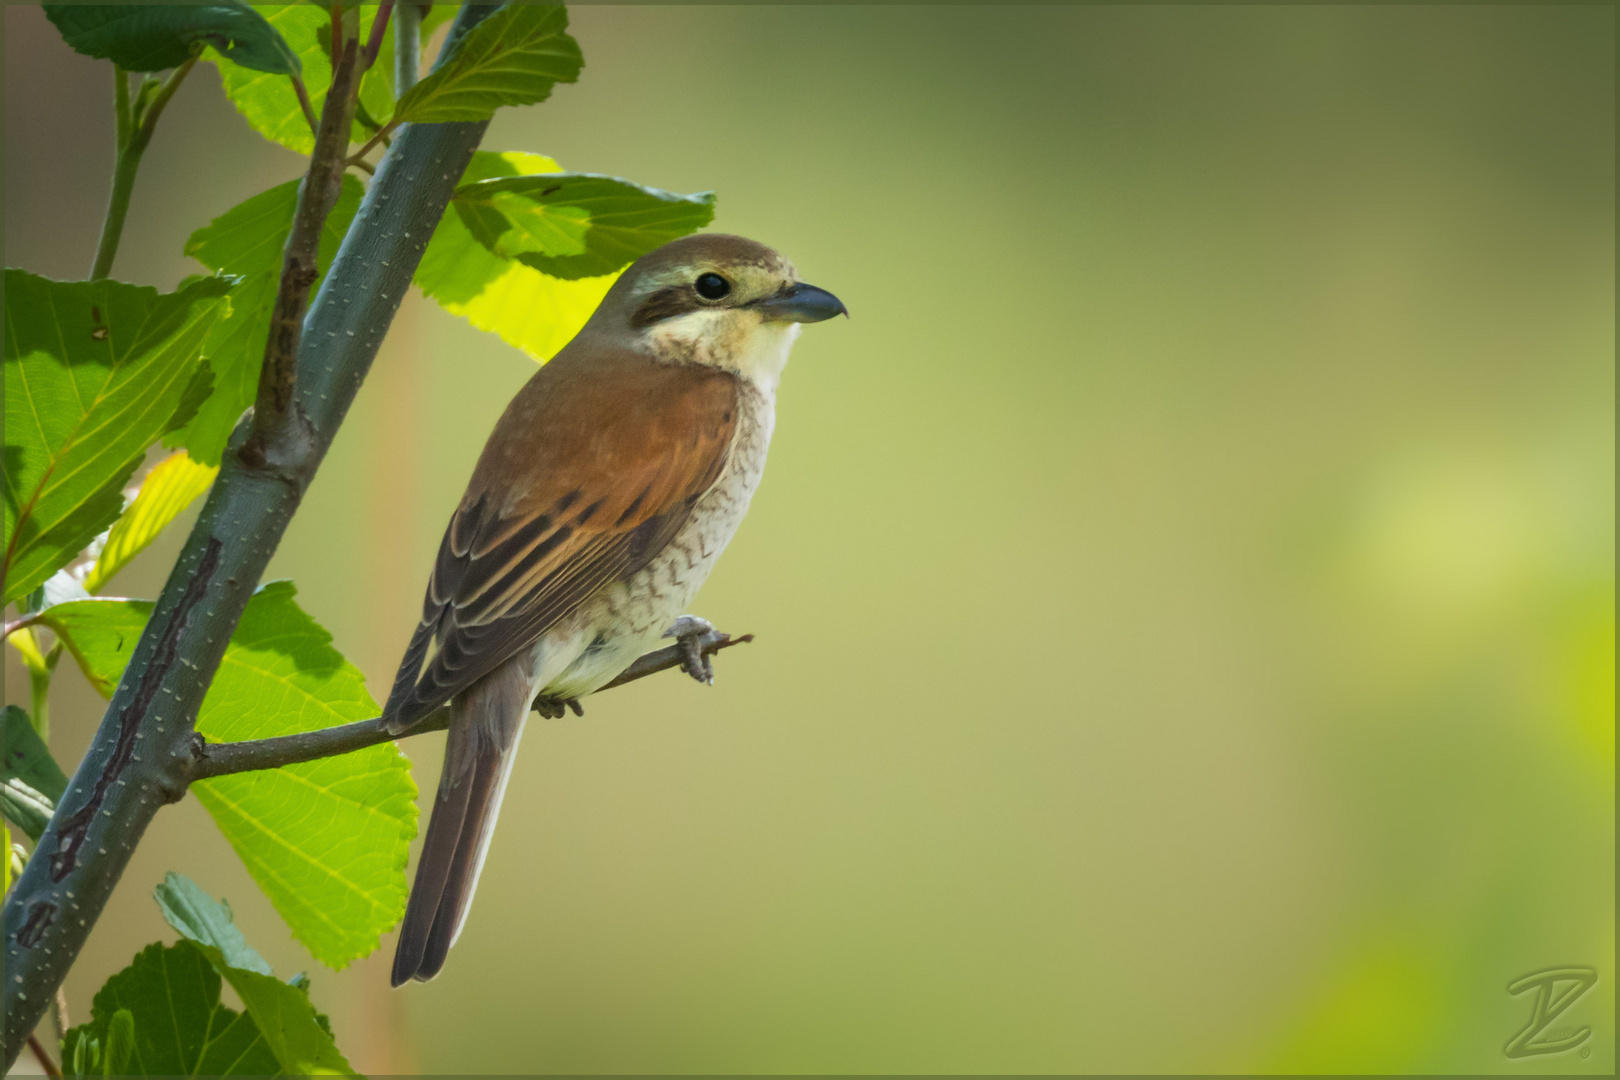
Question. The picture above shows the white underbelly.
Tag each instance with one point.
(611, 629)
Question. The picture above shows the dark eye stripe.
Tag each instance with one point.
(665, 304)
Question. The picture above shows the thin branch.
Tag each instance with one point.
(303, 103)
(407, 46)
(371, 144)
(223, 759)
(134, 134)
(279, 436)
(374, 44)
(45, 1061)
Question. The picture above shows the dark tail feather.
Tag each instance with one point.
(478, 756)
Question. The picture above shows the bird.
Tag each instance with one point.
(604, 495)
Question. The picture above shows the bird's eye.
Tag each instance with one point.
(712, 286)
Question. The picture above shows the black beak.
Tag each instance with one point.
(801, 303)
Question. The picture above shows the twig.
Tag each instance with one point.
(303, 103)
(222, 759)
(374, 44)
(45, 1061)
(59, 1016)
(279, 435)
(371, 143)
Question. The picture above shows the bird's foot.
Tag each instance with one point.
(555, 708)
(692, 634)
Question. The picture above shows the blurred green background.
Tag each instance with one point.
(1184, 590)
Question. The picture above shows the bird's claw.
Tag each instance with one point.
(692, 634)
(553, 708)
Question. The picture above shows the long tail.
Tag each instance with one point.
(485, 723)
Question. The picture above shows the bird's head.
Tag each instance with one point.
(713, 299)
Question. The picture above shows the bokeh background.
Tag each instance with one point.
(1184, 590)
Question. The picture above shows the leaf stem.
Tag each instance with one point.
(135, 126)
(41, 665)
(224, 759)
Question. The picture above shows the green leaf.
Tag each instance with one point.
(178, 1024)
(31, 783)
(271, 106)
(206, 921)
(120, 1044)
(168, 489)
(94, 370)
(514, 57)
(529, 310)
(151, 37)
(5, 854)
(295, 1032)
(326, 840)
(247, 241)
(576, 225)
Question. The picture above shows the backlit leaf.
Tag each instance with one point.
(326, 840)
(94, 372)
(168, 489)
(151, 37)
(575, 225)
(247, 241)
(269, 103)
(514, 57)
(529, 310)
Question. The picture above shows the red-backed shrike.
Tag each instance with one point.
(603, 498)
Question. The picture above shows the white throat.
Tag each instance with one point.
(736, 340)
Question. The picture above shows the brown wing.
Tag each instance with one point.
(592, 469)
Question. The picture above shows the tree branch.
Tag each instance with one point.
(280, 434)
(407, 46)
(222, 759)
(141, 754)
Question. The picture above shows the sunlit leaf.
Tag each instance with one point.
(326, 840)
(575, 225)
(180, 1027)
(529, 310)
(31, 783)
(151, 37)
(247, 241)
(168, 489)
(268, 102)
(514, 57)
(94, 372)
(298, 1036)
